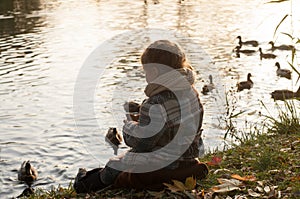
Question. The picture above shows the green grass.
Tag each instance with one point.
(272, 157)
(288, 120)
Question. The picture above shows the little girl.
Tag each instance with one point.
(165, 139)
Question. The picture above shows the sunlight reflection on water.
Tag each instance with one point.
(44, 44)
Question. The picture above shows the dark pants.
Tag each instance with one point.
(94, 180)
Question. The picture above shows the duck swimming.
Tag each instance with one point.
(283, 72)
(250, 42)
(285, 94)
(245, 84)
(281, 47)
(208, 87)
(266, 55)
(27, 173)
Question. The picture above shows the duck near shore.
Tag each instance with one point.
(285, 94)
(113, 136)
(250, 42)
(283, 72)
(208, 87)
(245, 84)
(27, 173)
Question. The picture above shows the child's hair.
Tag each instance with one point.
(166, 53)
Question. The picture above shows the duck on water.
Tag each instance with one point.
(208, 87)
(283, 72)
(250, 42)
(266, 55)
(245, 84)
(285, 94)
(27, 173)
(281, 47)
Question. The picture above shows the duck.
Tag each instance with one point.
(285, 94)
(281, 47)
(266, 55)
(27, 173)
(132, 110)
(208, 87)
(245, 84)
(250, 42)
(283, 72)
(244, 51)
(131, 107)
(113, 138)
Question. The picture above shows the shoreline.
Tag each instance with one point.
(264, 166)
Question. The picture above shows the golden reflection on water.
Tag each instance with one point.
(43, 45)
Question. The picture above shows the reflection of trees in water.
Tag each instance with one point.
(16, 17)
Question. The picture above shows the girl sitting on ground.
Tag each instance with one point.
(166, 138)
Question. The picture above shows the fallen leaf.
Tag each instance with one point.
(202, 193)
(190, 183)
(285, 149)
(215, 161)
(295, 178)
(155, 193)
(272, 192)
(229, 181)
(267, 189)
(261, 183)
(244, 178)
(223, 188)
(253, 193)
(226, 185)
(208, 195)
(172, 188)
(179, 185)
(220, 170)
(259, 189)
(240, 197)
(274, 171)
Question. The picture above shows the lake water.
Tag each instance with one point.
(46, 45)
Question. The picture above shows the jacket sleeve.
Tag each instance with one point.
(143, 135)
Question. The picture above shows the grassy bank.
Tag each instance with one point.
(262, 166)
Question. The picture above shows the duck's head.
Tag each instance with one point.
(112, 131)
(278, 65)
(272, 43)
(249, 75)
(239, 37)
(210, 78)
(259, 50)
(28, 168)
